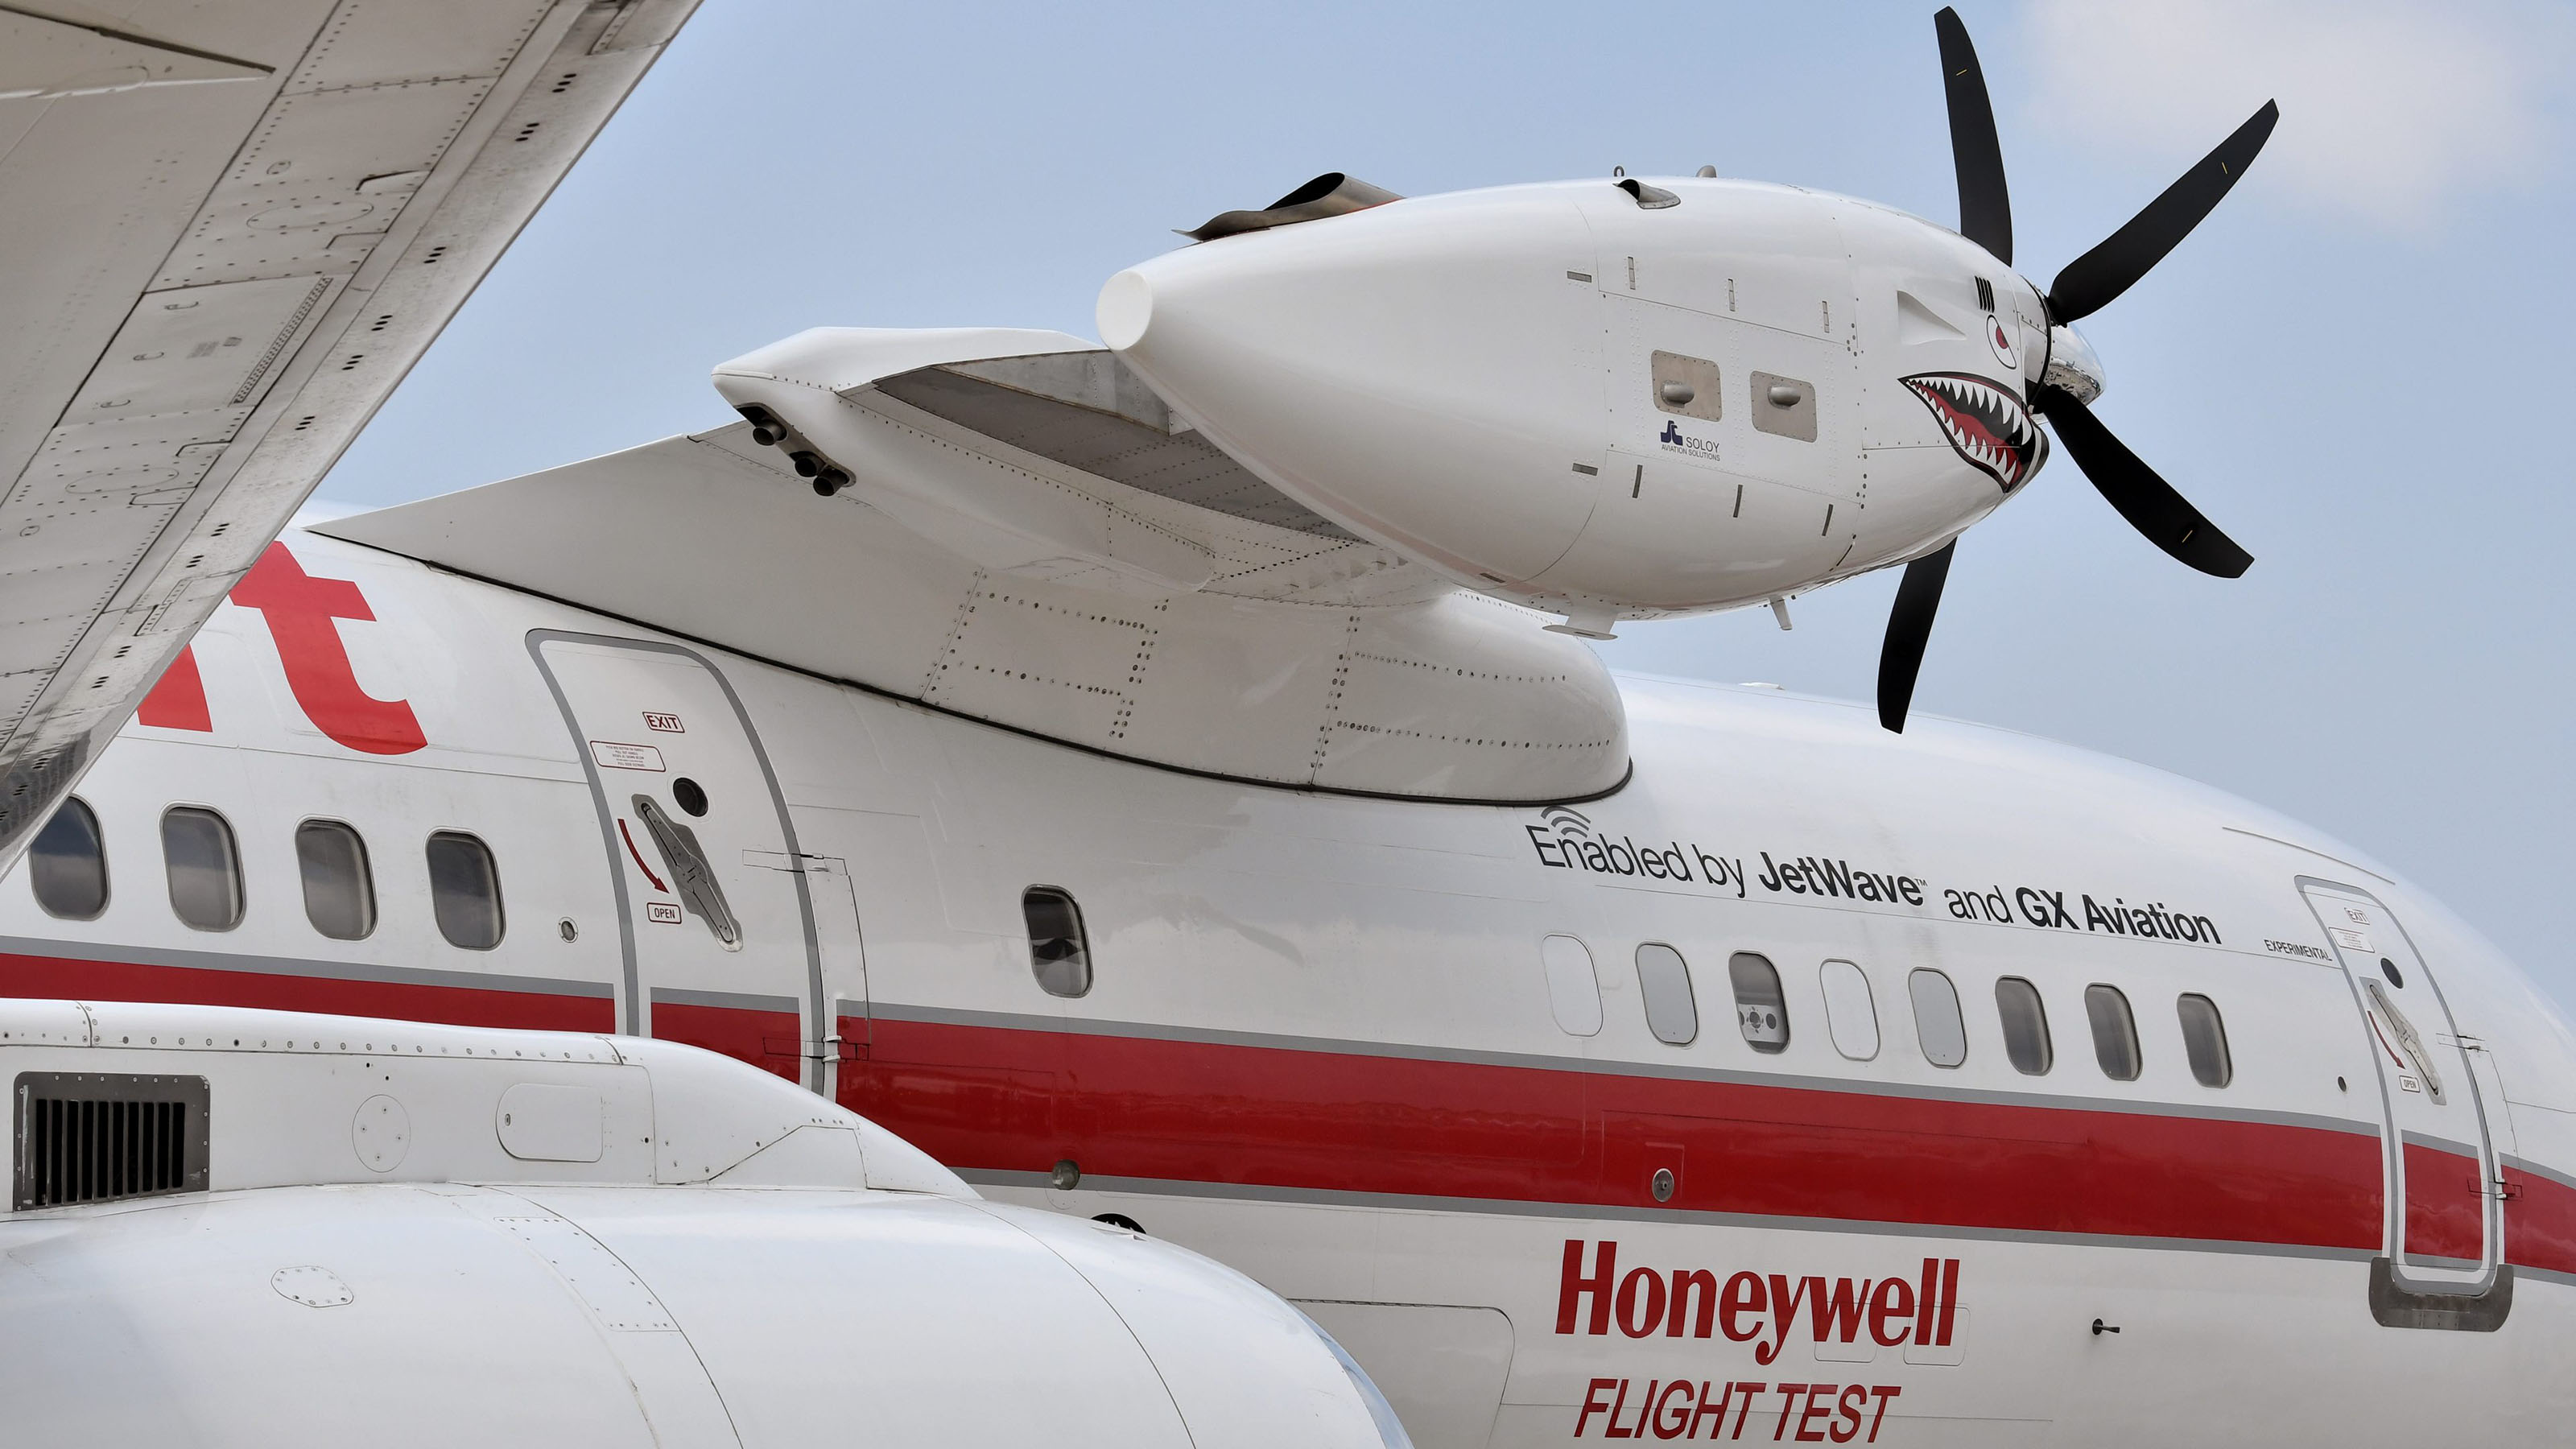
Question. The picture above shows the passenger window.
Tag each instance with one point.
(67, 864)
(2115, 1033)
(1573, 991)
(2025, 1019)
(339, 891)
(205, 870)
(1059, 952)
(1937, 1023)
(1671, 1012)
(1851, 1016)
(1761, 1009)
(464, 891)
(2204, 1040)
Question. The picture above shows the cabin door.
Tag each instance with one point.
(717, 918)
(2443, 1227)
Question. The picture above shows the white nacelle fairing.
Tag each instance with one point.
(440, 1235)
(1617, 405)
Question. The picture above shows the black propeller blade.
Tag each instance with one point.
(2146, 500)
(1909, 629)
(1985, 208)
(2093, 279)
(1985, 217)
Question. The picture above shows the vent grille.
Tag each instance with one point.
(99, 1136)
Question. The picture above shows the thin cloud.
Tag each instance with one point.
(2388, 110)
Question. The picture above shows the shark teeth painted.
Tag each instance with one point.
(1985, 422)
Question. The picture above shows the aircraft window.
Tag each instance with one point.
(1851, 1017)
(204, 868)
(1573, 991)
(1671, 1013)
(68, 864)
(464, 891)
(2204, 1040)
(1059, 952)
(1760, 1007)
(2025, 1019)
(339, 891)
(2115, 1033)
(1937, 1023)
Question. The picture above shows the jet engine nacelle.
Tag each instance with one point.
(1608, 398)
(267, 1228)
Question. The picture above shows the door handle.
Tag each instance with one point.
(691, 876)
(2408, 1039)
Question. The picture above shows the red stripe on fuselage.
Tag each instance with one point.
(60, 976)
(977, 1097)
(1201, 1112)
(2445, 1207)
(766, 1039)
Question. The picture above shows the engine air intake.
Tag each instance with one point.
(85, 1137)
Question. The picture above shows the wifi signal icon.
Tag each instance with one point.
(1566, 822)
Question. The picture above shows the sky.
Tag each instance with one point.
(2354, 366)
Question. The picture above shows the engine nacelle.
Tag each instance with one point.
(1610, 399)
(266, 1228)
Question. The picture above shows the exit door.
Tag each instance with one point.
(2444, 1231)
(716, 914)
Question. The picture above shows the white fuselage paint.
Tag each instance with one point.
(1321, 1045)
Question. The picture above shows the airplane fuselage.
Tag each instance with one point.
(1815, 1085)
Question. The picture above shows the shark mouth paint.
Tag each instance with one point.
(1986, 423)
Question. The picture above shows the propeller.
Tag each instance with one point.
(1909, 628)
(2146, 500)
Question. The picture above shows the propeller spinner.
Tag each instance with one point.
(2092, 280)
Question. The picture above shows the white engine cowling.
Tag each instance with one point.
(263, 1228)
(1613, 399)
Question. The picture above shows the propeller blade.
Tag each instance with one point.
(2149, 503)
(2090, 281)
(1909, 628)
(1985, 209)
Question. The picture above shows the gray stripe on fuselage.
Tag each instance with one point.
(2442, 1144)
(2536, 1170)
(730, 1000)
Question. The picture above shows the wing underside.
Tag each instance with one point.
(226, 231)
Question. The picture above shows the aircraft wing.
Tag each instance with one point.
(227, 229)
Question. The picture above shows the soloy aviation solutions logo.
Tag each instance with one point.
(1677, 441)
(1565, 839)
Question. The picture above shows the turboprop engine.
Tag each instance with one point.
(1613, 398)
(1635, 399)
